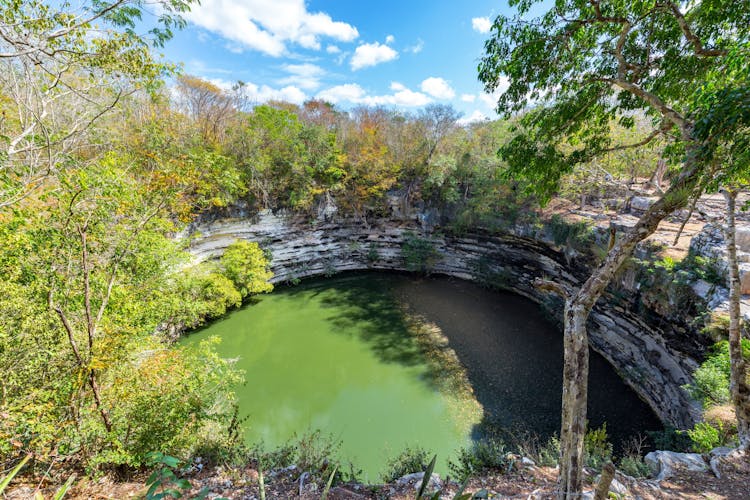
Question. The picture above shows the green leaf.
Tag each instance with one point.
(59, 494)
(328, 485)
(426, 478)
(7, 479)
(459, 494)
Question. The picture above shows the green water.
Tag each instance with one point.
(336, 355)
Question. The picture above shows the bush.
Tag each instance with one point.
(545, 454)
(199, 294)
(632, 462)
(245, 264)
(597, 450)
(418, 253)
(372, 253)
(576, 235)
(175, 400)
(312, 452)
(480, 457)
(283, 456)
(711, 380)
(408, 461)
(706, 437)
(670, 438)
(710, 384)
(634, 466)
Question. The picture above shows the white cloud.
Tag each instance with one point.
(263, 93)
(468, 97)
(306, 76)
(370, 54)
(438, 88)
(481, 24)
(353, 93)
(476, 116)
(490, 100)
(417, 47)
(349, 92)
(333, 49)
(268, 25)
(198, 67)
(404, 97)
(390, 39)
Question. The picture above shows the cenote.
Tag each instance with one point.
(360, 358)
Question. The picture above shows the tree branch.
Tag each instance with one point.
(669, 114)
(551, 286)
(71, 338)
(690, 36)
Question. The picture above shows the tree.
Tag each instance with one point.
(208, 105)
(62, 67)
(572, 71)
(723, 104)
(739, 385)
(246, 266)
(90, 276)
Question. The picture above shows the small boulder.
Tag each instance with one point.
(415, 479)
(642, 203)
(664, 463)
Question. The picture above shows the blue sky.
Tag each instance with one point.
(403, 54)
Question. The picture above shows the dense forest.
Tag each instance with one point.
(108, 153)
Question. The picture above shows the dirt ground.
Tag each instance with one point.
(521, 483)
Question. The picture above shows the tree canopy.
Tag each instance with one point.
(585, 63)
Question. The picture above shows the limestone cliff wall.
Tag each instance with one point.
(654, 355)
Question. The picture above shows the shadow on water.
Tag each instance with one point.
(513, 355)
(365, 305)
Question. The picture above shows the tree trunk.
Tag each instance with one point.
(575, 396)
(738, 383)
(602, 489)
(577, 309)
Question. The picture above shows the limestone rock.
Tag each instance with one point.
(642, 203)
(742, 237)
(656, 357)
(664, 463)
(415, 479)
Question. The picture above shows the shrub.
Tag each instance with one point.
(175, 400)
(710, 385)
(283, 456)
(670, 438)
(634, 466)
(245, 264)
(312, 452)
(545, 454)
(199, 294)
(408, 461)
(597, 450)
(632, 462)
(418, 253)
(576, 235)
(372, 253)
(711, 380)
(706, 437)
(480, 457)
(316, 452)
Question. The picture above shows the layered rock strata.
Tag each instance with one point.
(654, 355)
